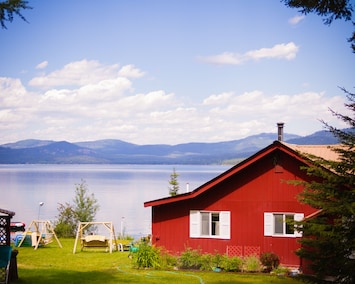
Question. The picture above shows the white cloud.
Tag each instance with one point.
(223, 58)
(256, 112)
(218, 99)
(42, 65)
(280, 51)
(12, 92)
(296, 19)
(152, 100)
(80, 73)
(283, 51)
(130, 71)
(105, 89)
(107, 107)
(76, 73)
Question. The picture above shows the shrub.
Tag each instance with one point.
(232, 264)
(211, 261)
(280, 271)
(190, 259)
(146, 257)
(270, 260)
(168, 261)
(65, 225)
(193, 259)
(252, 264)
(217, 259)
(206, 262)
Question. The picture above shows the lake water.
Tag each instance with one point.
(120, 190)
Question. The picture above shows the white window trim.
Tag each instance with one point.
(269, 224)
(224, 225)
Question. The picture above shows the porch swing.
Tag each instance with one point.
(42, 233)
(96, 241)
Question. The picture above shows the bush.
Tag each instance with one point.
(270, 260)
(211, 261)
(252, 264)
(64, 230)
(206, 262)
(65, 225)
(232, 264)
(193, 259)
(168, 261)
(280, 271)
(147, 257)
(217, 259)
(190, 259)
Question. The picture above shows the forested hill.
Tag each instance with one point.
(120, 152)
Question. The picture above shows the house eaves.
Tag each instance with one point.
(7, 212)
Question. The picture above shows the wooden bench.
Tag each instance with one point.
(94, 241)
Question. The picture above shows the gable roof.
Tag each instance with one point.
(296, 151)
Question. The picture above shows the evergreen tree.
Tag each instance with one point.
(330, 10)
(328, 241)
(174, 184)
(329, 236)
(10, 7)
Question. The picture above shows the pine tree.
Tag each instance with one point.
(174, 188)
(10, 8)
(328, 242)
(329, 10)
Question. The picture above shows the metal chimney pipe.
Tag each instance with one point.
(280, 131)
(187, 187)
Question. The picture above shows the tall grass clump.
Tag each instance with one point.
(252, 264)
(147, 256)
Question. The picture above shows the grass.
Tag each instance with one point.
(51, 264)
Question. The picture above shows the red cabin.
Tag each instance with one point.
(243, 211)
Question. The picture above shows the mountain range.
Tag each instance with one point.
(119, 152)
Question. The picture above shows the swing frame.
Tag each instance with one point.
(109, 243)
(41, 228)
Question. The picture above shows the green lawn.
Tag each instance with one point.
(51, 264)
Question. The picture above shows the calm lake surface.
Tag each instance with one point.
(120, 190)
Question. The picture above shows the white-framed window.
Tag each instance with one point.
(278, 224)
(210, 224)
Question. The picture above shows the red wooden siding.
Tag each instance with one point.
(247, 194)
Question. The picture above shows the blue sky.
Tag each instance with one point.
(169, 72)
